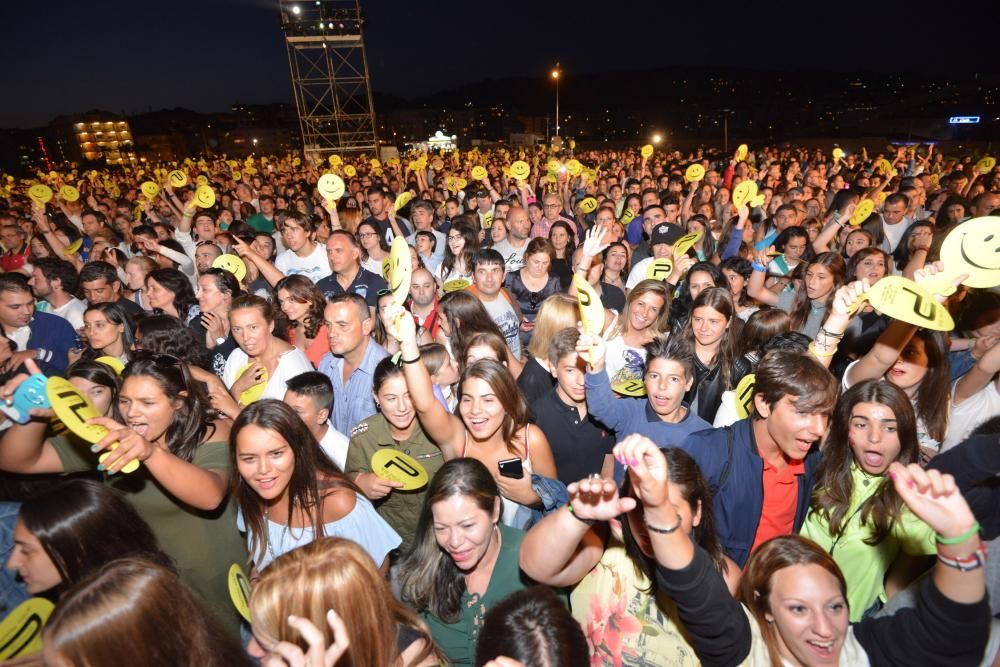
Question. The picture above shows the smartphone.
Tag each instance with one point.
(511, 468)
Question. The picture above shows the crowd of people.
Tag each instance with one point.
(626, 407)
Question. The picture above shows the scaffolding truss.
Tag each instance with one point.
(329, 69)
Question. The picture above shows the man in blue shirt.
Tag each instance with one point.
(351, 361)
(42, 337)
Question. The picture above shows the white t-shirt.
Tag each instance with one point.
(970, 413)
(513, 257)
(334, 445)
(726, 414)
(72, 312)
(503, 314)
(291, 363)
(624, 362)
(313, 266)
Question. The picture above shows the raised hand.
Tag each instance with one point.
(647, 467)
(287, 654)
(598, 500)
(934, 498)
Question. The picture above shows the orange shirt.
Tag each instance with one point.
(781, 494)
(318, 348)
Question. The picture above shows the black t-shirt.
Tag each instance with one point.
(612, 297)
(534, 381)
(578, 445)
(366, 284)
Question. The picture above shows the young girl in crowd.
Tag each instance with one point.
(108, 331)
(458, 253)
(289, 493)
(808, 305)
(68, 532)
(464, 559)
(709, 333)
(856, 514)
(394, 427)
(646, 316)
(303, 303)
(492, 424)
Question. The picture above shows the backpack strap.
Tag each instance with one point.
(729, 458)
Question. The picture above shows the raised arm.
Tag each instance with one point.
(755, 288)
(195, 486)
(564, 546)
(270, 272)
(979, 376)
(445, 429)
(832, 332)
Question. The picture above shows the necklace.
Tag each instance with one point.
(285, 530)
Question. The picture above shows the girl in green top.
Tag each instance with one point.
(463, 560)
(856, 514)
(181, 487)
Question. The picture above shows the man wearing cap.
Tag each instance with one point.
(484, 203)
(661, 243)
(422, 217)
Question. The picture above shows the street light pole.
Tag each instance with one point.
(555, 75)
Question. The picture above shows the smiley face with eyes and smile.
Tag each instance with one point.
(974, 248)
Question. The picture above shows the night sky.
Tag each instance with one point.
(130, 56)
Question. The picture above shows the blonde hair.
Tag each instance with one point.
(660, 325)
(349, 218)
(334, 573)
(557, 312)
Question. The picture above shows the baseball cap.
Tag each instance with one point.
(665, 233)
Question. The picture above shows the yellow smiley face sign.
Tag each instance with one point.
(838, 154)
(646, 151)
(685, 242)
(74, 410)
(694, 173)
(973, 247)
(588, 205)
(744, 396)
(150, 189)
(331, 187)
(455, 285)
(177, 178)
(400, 270)
(986, 165)
(629, 388)
(744, 193)
(403, 199)
(395, 466)
(659, 269)
(591, 309)
(741, 152)
(862, 211)
(40, 194)
(520, 170)
(478, 173)
(350, 171)
(233, 264)
(335, 160)
(69, 193)
(239, 590)
(574, 168)
(254, 393)
(904, 300)
(21, 630)
(201, 180)
(204, 196)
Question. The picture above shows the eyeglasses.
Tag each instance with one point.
(366, 235)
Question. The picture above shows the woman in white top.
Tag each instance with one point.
(463, 243)
(646, 316)
(261, 356)
(289, 493)
(374, 249)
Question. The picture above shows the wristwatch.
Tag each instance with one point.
(220, 340)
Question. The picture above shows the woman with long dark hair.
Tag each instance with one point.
(109, 332)
(66, 533)
(181, 486)
(303, 303)
(856, 514)
(289, 493)
(463, 560)
(169, 291)
(462, 246)
(374, 249)
(709, 333)
(809, 303)
(608, 560)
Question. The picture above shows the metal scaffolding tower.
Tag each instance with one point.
(329, 67)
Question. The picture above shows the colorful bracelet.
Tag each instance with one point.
(961, 538)
(973, 561)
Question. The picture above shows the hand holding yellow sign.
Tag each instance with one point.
(694, 173)
(574, 167)
(403, 199)
(838, 154)
(256, 390)
(204, 196)
(395, 466)
(741, 152)
(646, 151)
(331, 187)
(906, 301)
(986, 165)
(744, 193)
(150, 189)
(400, 270)
(69, 193)
(40, 194)
(630, 388)
(659, 269)
(478, 173)
(862, 211)
(75, 411)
